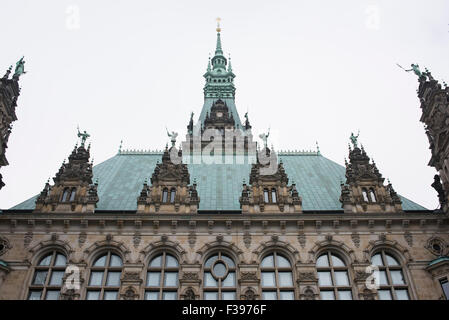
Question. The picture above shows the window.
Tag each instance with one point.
(365, 195)
(172, 195)
(273, 195)
(393, 285)
(333, 278)
(372, 195)
(277, 278)
(65, 195)
(445, 286)
(164, 195)
(46, 282)
(265, 196)
(219, 278)
(162, 278)
(104, 279)
(72, 194)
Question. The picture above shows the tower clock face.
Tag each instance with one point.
(219, 114)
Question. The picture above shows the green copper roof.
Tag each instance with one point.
(219, 185)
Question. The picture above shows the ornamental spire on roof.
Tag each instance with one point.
(218, 50)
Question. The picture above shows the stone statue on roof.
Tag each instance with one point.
(20, 68)
(415, 69)
(172, 136)
(264, 137)
(83, 136)
(354, 138)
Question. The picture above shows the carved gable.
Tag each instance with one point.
(268, 189)
(364, 190)
(170, 191)
(73, 190)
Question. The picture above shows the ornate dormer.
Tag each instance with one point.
(73, 190)
(364, 190)
(268, 189)
(219, 117)
(170, 191)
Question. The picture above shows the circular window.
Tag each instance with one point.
(219, 269)
(435, 247)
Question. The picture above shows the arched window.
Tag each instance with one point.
(393, 285)
(72, 194)
(65, 195)
(277, 278)
(220, 278)
(265, 196)
(273, 195)
(333, 278)
(165, 195)
(172, 195)
(365, 195)
(162, 278)
(46, 282)
(372, 195)
(104, 279)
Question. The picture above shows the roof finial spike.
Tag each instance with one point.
(8, 72)
(218, 24)
(120, 147)
(317, 148)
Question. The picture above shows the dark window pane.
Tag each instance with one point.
(285, 279)
(170, 262)
(60, 260)
(228, 295)
(269, 295)
(327, 295)
(153, 279)
(46, 261)
(322, 261)
(171, 279)
(384, 294)
(345, 295)
(377, 260)
(229, 281)
(101, 262)
(324, 278)
(93, 295)
(113, 279)
(169, 296)
(268, 262)
(40, 277)
(210, 261)
(209, 280)
(287, 295)
(228, 260)
(116, 261)
(391, 261)
(397, 277)
(56, 278)
(337, 262)
(151, 295)
(341, 278)
(96, 278)
(282, 262)
(35, 295)
(210, 295)
(52, 295)
(110, 295)
(268, 279)
(402, 294)
(156, 262)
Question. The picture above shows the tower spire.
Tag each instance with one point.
(218, 50)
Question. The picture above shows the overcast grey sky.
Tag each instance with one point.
(312, 70)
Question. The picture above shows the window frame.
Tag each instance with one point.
(334, 287)
(161, 288)
(219, 289)
(50, 269)
(106, 269)
(276, 269)
(387, 267)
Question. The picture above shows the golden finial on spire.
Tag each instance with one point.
(218, 24)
